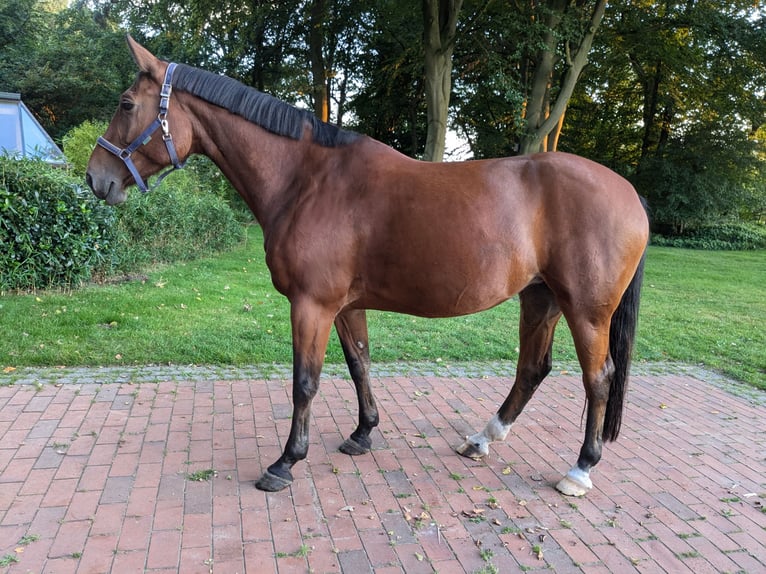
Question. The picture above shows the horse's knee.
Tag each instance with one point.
(304, 390)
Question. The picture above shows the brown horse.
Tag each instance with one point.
(350, 224)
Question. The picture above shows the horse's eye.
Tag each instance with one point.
(127, 105)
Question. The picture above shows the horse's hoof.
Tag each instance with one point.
(353, 448)
(470, 449)
(272, 483)
(575, 483)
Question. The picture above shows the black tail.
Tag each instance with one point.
(622, 334)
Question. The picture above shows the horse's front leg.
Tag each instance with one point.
(352, 332)
(311, 325)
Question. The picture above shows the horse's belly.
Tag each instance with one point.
(443, 290)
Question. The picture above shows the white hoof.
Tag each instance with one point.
(575, 483)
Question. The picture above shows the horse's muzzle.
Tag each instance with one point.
(108, 188)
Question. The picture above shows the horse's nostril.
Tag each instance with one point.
(89, 180)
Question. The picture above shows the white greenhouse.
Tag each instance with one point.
(21, 135)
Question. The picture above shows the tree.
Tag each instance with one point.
(517, 69)
(389, 103)
(335, 53)
(17, 20)
(67, 66)
(258, 42)
(674, 100)
(544, 114)
(319, 91)
(440, 25)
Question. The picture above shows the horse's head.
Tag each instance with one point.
(146, 134)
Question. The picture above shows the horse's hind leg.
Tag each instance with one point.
(352, 331)
(591, 338)
(539, 316)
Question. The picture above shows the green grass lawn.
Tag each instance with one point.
(701, 308)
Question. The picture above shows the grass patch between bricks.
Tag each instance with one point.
(201, 475)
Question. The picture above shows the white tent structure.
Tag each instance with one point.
(21, 135)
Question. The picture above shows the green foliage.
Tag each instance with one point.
(54, 233)
(68, 64)
(59, 235)
(390, 104)
(8, 559)
(202, 475)
(209, 179)
(672, 99)
(79, 142)
(190, 215)
(179, 221)
(200, 174)
(727, 236)
(703, 177)
(672, 94)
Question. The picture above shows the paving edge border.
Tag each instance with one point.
(441, 369)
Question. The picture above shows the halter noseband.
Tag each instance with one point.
(160, 122)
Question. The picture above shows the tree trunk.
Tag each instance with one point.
(552, 142)
(538, 124)
(651, 88)
(535, 111)
(440, 23)
(318, 71)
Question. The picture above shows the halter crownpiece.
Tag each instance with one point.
(161, 122)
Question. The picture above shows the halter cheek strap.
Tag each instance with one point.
(161, 122)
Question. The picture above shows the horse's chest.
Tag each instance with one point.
(304, 263)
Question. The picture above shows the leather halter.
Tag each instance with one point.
(160, 122)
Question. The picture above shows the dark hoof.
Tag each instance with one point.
(470, 450)
(350, 446)
(272, 483)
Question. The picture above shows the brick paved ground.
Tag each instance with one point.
(96, 478)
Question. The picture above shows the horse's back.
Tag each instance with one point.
(455, 238)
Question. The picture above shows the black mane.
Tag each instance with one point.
(268, 112)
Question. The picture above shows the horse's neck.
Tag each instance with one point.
(262, 167)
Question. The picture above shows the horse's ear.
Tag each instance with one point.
(145, 60)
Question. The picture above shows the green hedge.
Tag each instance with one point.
(53, 231)
(193, 213)
(178, 221)
(725, 236)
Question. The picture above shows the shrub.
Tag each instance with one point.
(54, 233)
(177, 222)
(78, 144)
(725, 236)
(188, 216)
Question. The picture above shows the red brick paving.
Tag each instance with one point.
(95, 478)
